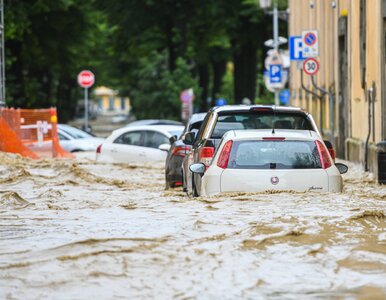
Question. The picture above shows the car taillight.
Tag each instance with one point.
(223, 160)
(324, 158)
(98, 149)
(332, 153)
(180, 151)
(261, 109)
(206, 155)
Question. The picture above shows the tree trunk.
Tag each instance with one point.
(245, 59)
(171, 47)
(203, 72)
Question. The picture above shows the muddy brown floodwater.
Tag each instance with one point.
(77, 229)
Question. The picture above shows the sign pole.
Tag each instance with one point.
(86, 109)
(86, 79)
(276, 43)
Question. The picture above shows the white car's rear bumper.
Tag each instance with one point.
(217, 180)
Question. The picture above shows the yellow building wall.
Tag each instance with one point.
(325, 19)
(322, 18)
(359, 105)
(357, 94)
(374, 58)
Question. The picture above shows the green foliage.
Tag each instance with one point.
(156, 94)
(226, 90)
(148, 50)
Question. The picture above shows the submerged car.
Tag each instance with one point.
(261, 160)
(177, 152)
(73, 139)
(138, 144)
(221, 119)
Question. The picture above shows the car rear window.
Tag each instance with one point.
(263, 154)
(260, 120)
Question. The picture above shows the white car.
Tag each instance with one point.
(261, 160)
(138, 144)
(73, 139)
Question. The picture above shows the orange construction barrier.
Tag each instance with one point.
(30, 132)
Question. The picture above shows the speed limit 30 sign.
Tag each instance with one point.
(311, 66)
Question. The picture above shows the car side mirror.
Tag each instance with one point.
(164, 147)
(188, 138)
(172, 139)
(198, 168)
(342, 168)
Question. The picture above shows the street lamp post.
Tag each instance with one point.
(276, 43)
(265, 4)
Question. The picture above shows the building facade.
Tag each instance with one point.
(347, 96)
(109, 102)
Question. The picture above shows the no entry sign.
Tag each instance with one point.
(86, 79)
(311, 66)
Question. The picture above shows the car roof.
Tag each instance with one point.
(154, 122)
(160, 128)
(197, 117)
(242, 107)
(260, 133)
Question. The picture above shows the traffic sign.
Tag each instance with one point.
(273, 87)
(187, 96)
(273, 58)
(86, 79)
(275, 74)
(310, 43)
(310, 38)
(284, 97)
(296, 47)
(311, 66)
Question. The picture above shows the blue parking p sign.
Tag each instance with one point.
(296, 47)
(275, 73)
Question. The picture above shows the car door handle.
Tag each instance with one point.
(114, 150)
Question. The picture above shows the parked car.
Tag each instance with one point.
(238, 117)
(266, 159)
(154, 122)
(177, 152)
(138, 144)
(73, 139)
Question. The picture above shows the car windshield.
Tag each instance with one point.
(75, 132)
(268, 154)
(266, 120)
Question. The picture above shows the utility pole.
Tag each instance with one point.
(276, 43)
(2, 56)
(275, 82)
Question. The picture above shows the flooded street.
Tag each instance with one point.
(77, 229)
